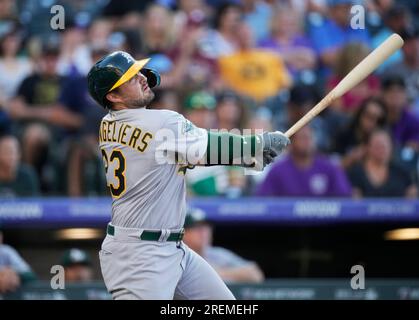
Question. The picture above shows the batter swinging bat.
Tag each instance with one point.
(357, 74)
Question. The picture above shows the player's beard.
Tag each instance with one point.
(145, 100)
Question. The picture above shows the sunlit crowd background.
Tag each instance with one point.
(224, 64)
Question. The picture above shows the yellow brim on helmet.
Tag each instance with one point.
(132, 71)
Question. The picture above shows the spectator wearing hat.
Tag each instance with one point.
(301, 99)
(14, 271)
(215, 180)
(403, 123)
(77, 266)
(199, 109)
(204, 181)
(230, 266)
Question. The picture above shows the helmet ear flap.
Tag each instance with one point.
(153, 77)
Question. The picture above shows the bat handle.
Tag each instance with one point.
(326, 101)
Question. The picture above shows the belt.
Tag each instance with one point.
(152, 235)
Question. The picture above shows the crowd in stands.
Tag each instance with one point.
(226, 64)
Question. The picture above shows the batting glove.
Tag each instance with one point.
(273, 144)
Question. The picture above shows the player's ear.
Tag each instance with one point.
(113, 97)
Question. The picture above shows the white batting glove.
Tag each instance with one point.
(273, 144)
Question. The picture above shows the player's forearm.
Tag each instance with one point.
(232, 149)
(248, 273)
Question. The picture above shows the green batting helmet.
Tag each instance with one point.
(115, 69)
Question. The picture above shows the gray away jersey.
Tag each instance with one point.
(138, 148)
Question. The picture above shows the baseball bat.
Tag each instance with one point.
(355, 76)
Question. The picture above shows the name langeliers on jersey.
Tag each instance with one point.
(125, 134)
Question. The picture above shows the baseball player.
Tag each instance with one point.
(145, 153)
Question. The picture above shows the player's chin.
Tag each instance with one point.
(148, 96)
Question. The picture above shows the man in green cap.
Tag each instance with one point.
(77, 266)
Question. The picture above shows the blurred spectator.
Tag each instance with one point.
(190, 68)
(381, 7)
(376, 175)
(120, 8)
(83, 171)
(5, 122)
(13, 68)
(204, 47)
(230, 266)
(224, 39)
(199, 109)
(98, 33)
(287, 39)
(207, 181)
(215, 180)
(301, 99)
(189, 13)
(251, 72)
(204, 181)
(408, 69)
(261, 119)
(396, 19)
(14, 271)
(74, 53)
(403, 123)
(350, 142)
(230, 111)
(334, 31)
(257, 15)
(41, 119)
(7, 11)
(77, 266)
(16, 179)
(166, 99)
(349, 56)
(158, 37)
(304, 173)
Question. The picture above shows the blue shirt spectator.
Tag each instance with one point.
(331, 33)
(330, 36)
(257, 15)
(396, 20)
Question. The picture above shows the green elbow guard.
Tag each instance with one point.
(231, 149)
